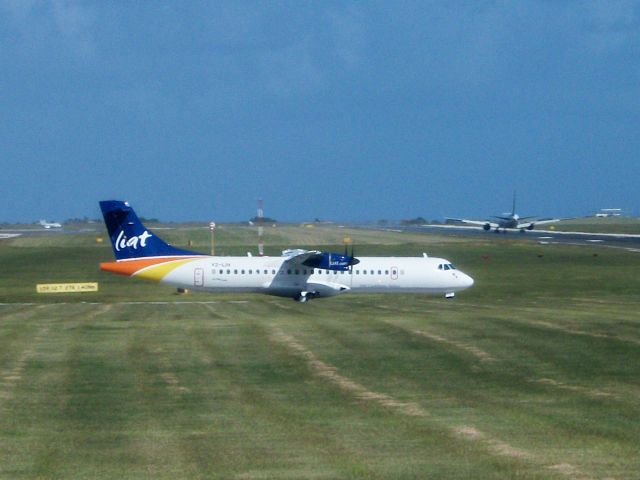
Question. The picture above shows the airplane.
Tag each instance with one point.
(510, 221)
(47, 225)
(298, 274)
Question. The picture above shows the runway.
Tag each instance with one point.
(41, 232)
(544, 237)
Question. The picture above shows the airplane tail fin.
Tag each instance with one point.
(130, 239)
(513, 210)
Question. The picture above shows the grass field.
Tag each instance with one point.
(534, 373)
(626, 225)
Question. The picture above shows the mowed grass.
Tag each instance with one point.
(625, 225)
(533, 373)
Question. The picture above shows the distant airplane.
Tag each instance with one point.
(509, 221)
(46, 224)
(298, 274)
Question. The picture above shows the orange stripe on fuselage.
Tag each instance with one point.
(130, 267)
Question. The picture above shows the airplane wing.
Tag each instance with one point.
(475, 222)
(298, 257)
(533, 223)
(316, 259)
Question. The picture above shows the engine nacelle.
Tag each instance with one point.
(331, 261)
(530, 226)
(486, 227)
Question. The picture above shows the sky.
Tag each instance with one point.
(338, 110)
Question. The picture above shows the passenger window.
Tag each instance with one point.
(235, 272)
(288, 272)
(364, 272)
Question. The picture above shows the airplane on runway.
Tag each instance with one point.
(47, 225)
(298, 274)
(509, 221)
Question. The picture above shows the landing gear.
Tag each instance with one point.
(304, 297)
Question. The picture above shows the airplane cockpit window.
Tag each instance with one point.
(446, 266)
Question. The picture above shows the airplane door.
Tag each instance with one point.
(198, 277)
(394, 273)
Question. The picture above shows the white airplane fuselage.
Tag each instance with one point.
(274, 276)
(48, 225)
(299, 274)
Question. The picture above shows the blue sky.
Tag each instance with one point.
(337, 110)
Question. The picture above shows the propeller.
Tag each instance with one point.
(352, 259)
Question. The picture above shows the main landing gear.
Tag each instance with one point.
(304, 297)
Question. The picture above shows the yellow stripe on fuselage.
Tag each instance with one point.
(158, 272)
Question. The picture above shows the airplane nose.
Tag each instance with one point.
(467, 281)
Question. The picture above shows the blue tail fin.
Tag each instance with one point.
(130, 238)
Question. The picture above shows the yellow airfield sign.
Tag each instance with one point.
(67, 287)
